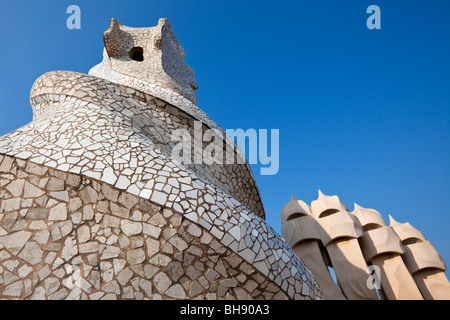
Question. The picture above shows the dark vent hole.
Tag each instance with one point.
(137, 54)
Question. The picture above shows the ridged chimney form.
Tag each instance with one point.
(399, 258)
(301, 230)
(382, 247)
(423, 262)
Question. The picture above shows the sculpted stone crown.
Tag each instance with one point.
(146, 58)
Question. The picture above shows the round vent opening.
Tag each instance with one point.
(137, 54)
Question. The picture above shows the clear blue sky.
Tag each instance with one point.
(364, 114)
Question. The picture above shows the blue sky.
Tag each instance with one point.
(364, 114)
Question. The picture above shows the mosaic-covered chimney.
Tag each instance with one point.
(93, 204)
